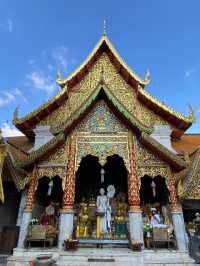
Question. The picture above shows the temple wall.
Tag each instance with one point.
(115, 83)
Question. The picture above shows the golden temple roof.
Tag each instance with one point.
(28, 122)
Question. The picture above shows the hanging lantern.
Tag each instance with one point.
(153, 186)
(50, 188)
(102, 175)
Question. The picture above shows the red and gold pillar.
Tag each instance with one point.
(135, 214)
(175, 205)
(133, 184)
(69, 190)
(31, 192)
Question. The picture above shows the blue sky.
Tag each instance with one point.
(40, 36)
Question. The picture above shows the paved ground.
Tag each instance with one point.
(3, 260)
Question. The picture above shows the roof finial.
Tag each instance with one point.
(104, 27)
(191, 115)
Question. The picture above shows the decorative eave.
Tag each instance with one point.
(101, 91)
(176, 163)
(180, 121)
(42, 151)
(189, 187)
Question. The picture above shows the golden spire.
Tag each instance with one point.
(104, 27)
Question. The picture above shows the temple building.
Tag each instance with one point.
(98, 162)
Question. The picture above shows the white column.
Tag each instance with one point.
(26, 218)
(136, 226)
(66, 227)
(21, 208)
(179, 230)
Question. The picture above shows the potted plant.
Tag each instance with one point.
(136, 246)
(71, 244)
(147, 230)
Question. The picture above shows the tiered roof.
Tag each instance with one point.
(28, 122)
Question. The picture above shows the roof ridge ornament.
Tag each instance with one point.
(58, 75)
(191, 115)
(104, 27)
(147, 77)
(16, 114)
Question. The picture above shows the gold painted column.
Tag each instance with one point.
(133, 184)
(175, 205)
(69, 190)
(66, 225)
(135, 214)
(31, 192)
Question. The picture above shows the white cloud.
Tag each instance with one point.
(60, 55)
(189, 72)
(7, 25)
(10, 131)
(31, 61)
(11, 96)
(41, 81)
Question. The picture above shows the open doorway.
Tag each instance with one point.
(92, 206)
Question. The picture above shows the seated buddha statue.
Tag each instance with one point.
(120, 218)
(122, 206)
(82, 223)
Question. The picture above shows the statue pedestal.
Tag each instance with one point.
(66, 226)
(136, 226)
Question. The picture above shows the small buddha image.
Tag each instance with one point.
(49, 217)
(82, 223)
(121, 217)
(122, 205)
(83, 203)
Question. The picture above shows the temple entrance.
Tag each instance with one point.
(48, 201)
(101, 199)
(154, 198)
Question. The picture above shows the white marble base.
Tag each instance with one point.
(136, 226)
(103, 256)
(179, 229)
(66, 224)
(24, 229)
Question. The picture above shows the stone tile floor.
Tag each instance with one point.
(3, 260)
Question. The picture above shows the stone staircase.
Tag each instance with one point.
(103, 257)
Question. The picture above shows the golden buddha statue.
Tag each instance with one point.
(82, 223)
(83, 204)
(122, 206)
(121, 217)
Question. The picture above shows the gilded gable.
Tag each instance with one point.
(115, 83)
